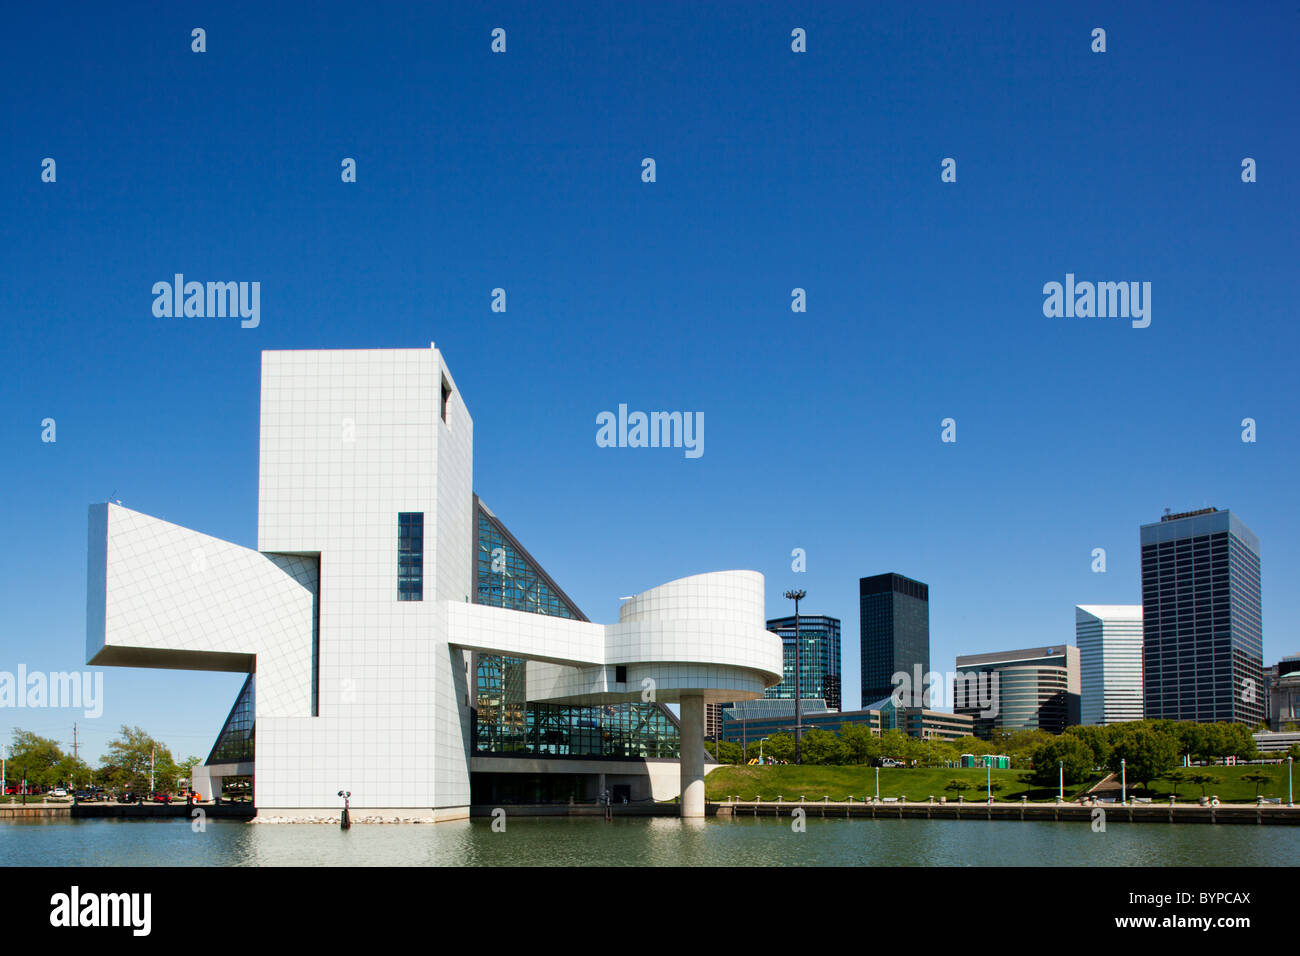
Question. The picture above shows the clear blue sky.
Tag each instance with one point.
(775, 170)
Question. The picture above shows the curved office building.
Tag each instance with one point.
(400, 642)
(1036, 688)
(1033, 698)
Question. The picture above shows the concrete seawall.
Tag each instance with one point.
(34, 811)
(1064, 812)
(1248, 814)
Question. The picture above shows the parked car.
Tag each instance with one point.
(161, 797)
(128, 797)
(58, 792)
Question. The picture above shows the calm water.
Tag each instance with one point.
(644, 842)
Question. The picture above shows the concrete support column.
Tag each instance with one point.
(692, 761)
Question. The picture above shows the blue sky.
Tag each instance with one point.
(775, 170)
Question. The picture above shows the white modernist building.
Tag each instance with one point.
(399, 641)
(1109, 637)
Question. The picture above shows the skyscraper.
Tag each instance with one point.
(1109, 637)
(819, 658)
(1202, 647)
(895, 623)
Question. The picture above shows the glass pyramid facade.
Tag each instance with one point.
(505, 721)
(235, 742)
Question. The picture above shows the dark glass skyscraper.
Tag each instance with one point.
(1202, 649)
(895, 625)
(819, 658)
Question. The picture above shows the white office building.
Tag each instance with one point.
(1109, 637)
(400, 643)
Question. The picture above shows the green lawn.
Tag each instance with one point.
(1228, 786)
(920, 783)
(916, 783)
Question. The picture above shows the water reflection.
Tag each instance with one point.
(659, 841)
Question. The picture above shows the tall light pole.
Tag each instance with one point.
(1290, 794)
(1123, 781)
(1061, 764)
(877, 783)
(989, 786)
(797, 595)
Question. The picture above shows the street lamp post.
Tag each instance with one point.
(1290, 794)
(989, 785)
(1061, 765)
(1123, 782)
(797, 595)
(877, 783)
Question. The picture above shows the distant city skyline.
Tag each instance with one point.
(822, 171)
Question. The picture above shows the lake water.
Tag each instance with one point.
(653, 841)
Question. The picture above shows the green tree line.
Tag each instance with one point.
(1149, 748)
(42, 762)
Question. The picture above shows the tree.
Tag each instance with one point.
(1191, 737)
(1146, 753)
(974, 745)
(860, 744)
(726, 750)
(130, 758)
(779, 747)
(1178, 777)
(1020, 744)
(823, 747)
(1239, 742)
(34, 759)
(1294, 752)
(1258, 779)
(957, 785)
(1215, 742)
(1097, 738)
(894, 743)
(1201, 779)
(72, 771)
(939, 754)
(1069, 750)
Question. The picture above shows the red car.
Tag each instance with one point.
(161, 797)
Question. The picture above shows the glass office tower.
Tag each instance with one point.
(895, 627)
(819, 658)
(1109, 638)
(1202, 651)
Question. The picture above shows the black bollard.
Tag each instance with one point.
(345, 821)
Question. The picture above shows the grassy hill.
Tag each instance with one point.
(920, 783)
